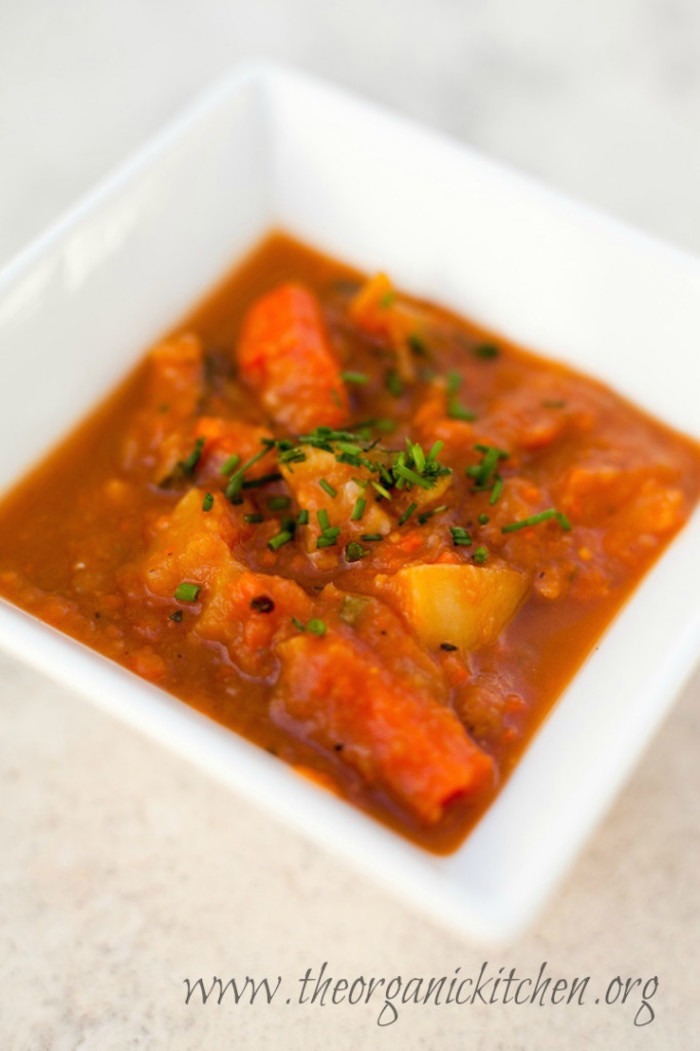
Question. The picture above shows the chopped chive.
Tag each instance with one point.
(326, 541)
(303, 517)
(435, 451)
(407, 513)
(316, 626)
(177, 616)
(394, 383)
(480, 555)
(417, 345)
(483, 519)
(354, 377)
(294, 455)
(298, 624)
(236, 482)
(486, 350)
(354, 551)
(278, 503)
(502, 454)
(234, 487)
(253, 518)
(411, 476)
(368, 537)
(230, 464)
(543, 516)
(457, 411)
(323, 519)
(381, 490)
(255, 483)
(484, 473)
(497, 490)
(460, 536)
(454, 382)
(327, 487)
(358, 510)
(188, 465)
(332, 533)
(417, 454)
(187, 592)
(349, 447)
(277, 541)
(423, 518)
(208, 502)
(387, 300)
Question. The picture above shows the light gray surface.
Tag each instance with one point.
(124, 871)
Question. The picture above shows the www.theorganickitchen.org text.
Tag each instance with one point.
(387, 997)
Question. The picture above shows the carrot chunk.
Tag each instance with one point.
(285, 357)
(334, 694)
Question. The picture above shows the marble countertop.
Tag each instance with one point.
(124, 871)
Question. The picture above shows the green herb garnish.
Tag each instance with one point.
(486, 350)
(326, 540)
(278, 503)
(354, 551)
(543, 516)
(426, 515)
(407, 513)
(236, 481)
(394, 383)
(358, 510)
(188, 465)
(316, 626)
(187, 592)
(417, 345)
(360, 378)
(230, 464)
(279, 540)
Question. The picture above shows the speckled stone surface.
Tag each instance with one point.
(124, 871)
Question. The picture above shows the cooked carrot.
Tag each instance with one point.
(400, 739)
(285, 357)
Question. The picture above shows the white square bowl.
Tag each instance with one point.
(270, 148)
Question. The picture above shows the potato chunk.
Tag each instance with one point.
(192, 544)
(304, 480)
(466, 605)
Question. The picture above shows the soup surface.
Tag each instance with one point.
(352, 527)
